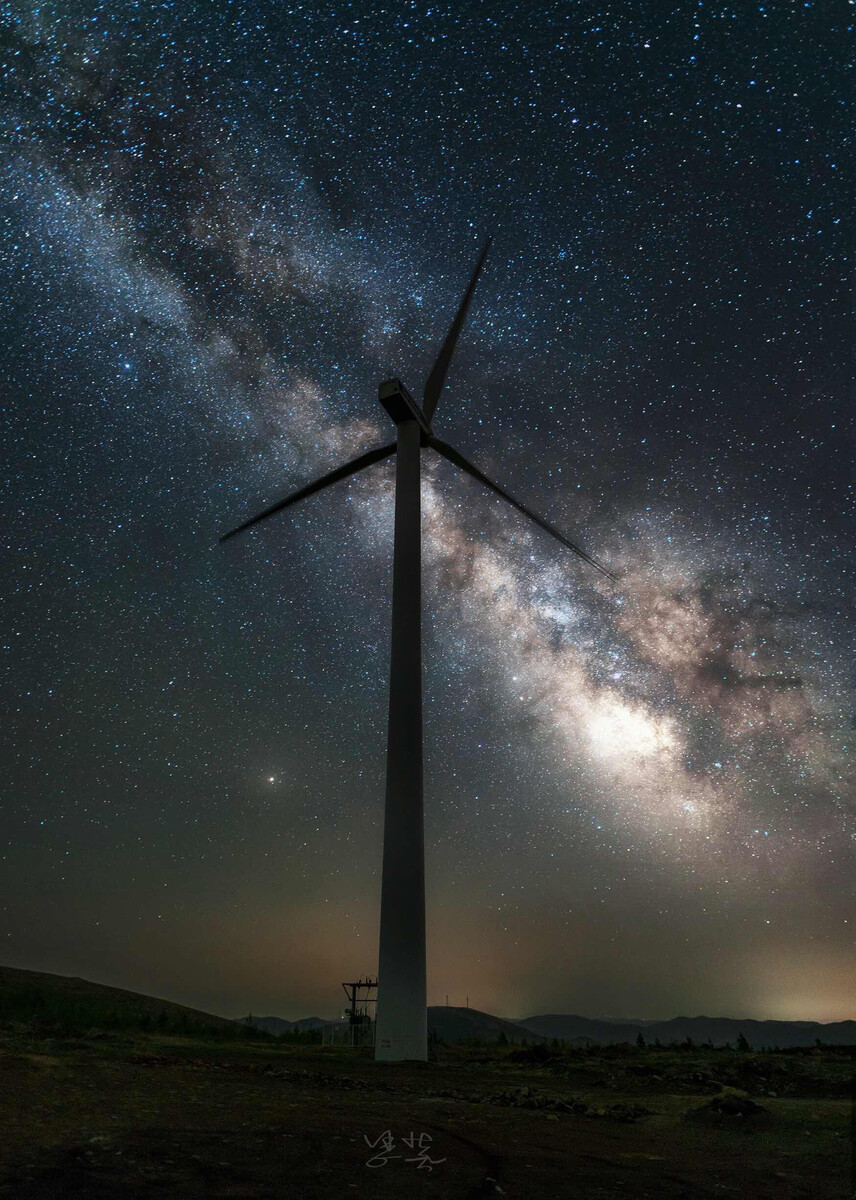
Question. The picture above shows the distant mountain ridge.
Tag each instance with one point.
(449, 1023)
(718, 1030)
(452, 1024)
(458, 1024)
(26, 993)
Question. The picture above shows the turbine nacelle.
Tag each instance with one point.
(400, 405)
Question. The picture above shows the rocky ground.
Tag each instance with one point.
(110, 1115)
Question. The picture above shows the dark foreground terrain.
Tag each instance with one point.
(133, 1114)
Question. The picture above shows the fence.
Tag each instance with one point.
(343, 1033)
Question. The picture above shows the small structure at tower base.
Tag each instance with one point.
(356, 1027)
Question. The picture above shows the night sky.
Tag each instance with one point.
(223, 225)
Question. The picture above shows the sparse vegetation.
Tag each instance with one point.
(65, 1014)
(111, 1094)
(159, 1112)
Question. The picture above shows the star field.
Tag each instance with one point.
(223, 225)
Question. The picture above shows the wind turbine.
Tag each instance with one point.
(402, 1031)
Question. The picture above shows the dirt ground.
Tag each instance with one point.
(144, 1116)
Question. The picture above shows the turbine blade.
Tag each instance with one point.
(348, 468)
(437, 378)
(458, 460)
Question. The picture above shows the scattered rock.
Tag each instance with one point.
(525, 1098)
(627, 1112)
(735, 1106)
(730, 1105)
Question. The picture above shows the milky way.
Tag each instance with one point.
(224, 225)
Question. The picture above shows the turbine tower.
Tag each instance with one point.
(402, 1030)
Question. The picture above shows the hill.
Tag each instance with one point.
(578, 1029)
(68, 1000)
(448, 1023)
(458, 1024)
